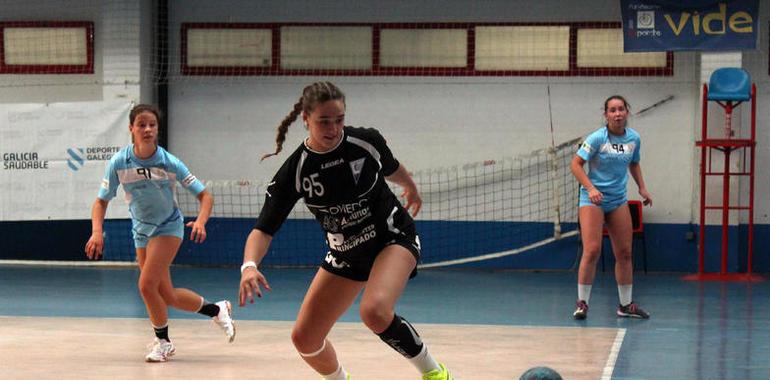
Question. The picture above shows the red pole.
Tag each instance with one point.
(725, 209)
(751, 176)
(702, 227)
(726, 187)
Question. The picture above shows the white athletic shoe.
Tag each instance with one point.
(225, 319)
(160, 351)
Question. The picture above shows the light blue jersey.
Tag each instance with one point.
(608, 158)
(149, 185)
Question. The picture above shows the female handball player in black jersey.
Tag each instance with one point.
(340, 172)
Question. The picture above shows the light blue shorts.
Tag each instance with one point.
(143, 232)
(609, 203)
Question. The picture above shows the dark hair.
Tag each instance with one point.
(312, 95)
(141, 108)
(618, 97)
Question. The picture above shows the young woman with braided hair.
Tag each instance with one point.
(340, 173)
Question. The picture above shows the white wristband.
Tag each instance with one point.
(248, 264)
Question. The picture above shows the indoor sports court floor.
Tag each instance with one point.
(89, 323)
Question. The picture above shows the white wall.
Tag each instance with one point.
(435, 122)
(116, 53)
(756, 62)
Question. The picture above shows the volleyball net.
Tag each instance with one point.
(481, 211)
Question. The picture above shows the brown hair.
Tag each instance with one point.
(618, 97)
(312, 95)
(140, 108)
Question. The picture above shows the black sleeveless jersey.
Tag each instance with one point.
(344, 189)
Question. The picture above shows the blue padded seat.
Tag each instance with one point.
(730, 83)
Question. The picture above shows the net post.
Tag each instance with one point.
(555, 186)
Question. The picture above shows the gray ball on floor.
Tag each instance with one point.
(540, 373)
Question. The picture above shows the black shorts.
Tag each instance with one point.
(357, 265)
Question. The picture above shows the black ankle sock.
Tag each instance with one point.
(210, 309)
(162, 333)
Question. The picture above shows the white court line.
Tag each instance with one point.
(609, 367)
(55, 263)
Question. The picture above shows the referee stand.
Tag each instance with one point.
(729, 88)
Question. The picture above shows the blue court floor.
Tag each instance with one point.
(698, 330)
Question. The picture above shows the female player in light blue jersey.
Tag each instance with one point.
(611, 152)
(149, 175)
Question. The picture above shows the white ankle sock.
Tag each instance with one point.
(424, 362)
(624, 293)
(339, 374)
(584, 292)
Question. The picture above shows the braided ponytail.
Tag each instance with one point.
(312, 95)
(283, 128)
